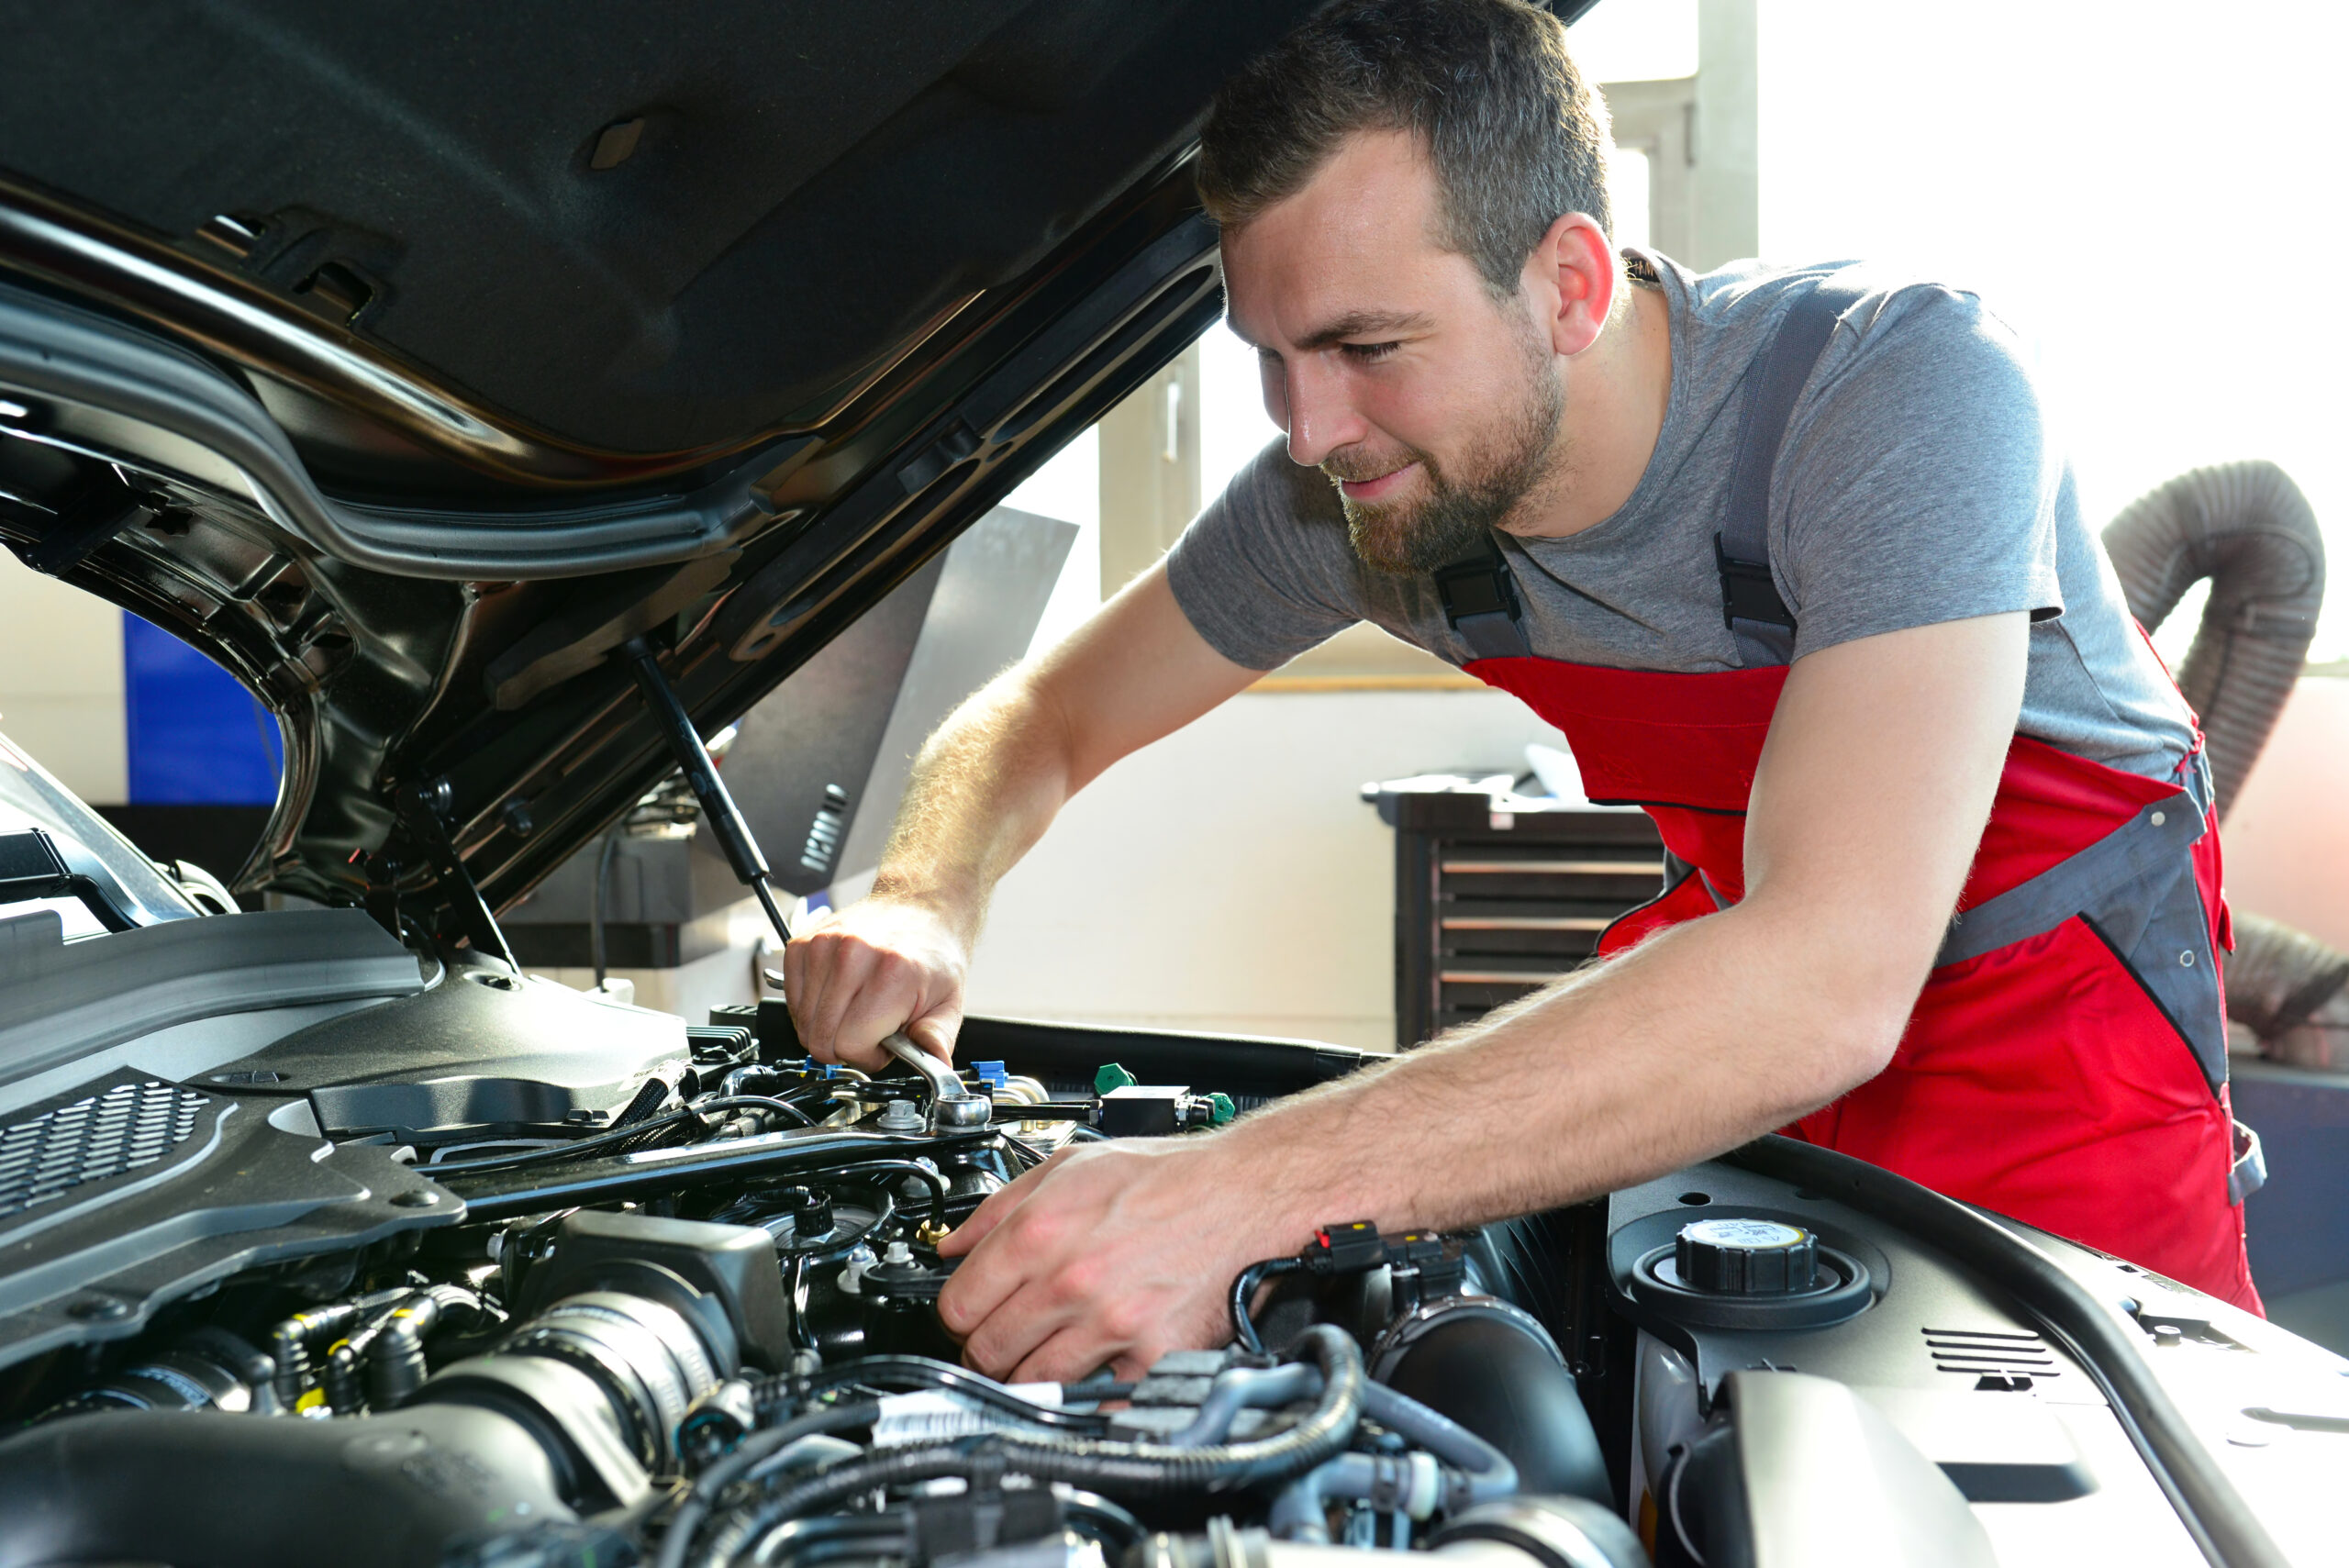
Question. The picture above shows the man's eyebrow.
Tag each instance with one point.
(1364, 324)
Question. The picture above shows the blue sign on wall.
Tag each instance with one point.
(197, 736)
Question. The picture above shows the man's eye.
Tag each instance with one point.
(1369, 351)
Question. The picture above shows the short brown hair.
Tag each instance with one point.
(1518, 138)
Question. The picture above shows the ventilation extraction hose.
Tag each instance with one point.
(2246, 527)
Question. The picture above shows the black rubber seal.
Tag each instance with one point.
(1848, 1294)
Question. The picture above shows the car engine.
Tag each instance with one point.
(698, 1325)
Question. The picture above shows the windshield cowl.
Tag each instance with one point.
(105, 865)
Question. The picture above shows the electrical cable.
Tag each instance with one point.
(618, 1135)
(558, 1151)
(1243, 1293)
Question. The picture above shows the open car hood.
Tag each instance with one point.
(408, 365)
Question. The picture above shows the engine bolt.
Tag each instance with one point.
(900, 1116)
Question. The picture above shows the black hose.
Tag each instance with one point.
(2222, 1523)
(938, 1191)
(570, 1151)
(1116, 1528)
(712, 1483)
(1132, 1469)
(601, 1140)
(1243, 1293)
(866, 1537)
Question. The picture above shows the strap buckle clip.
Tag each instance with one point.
(1747, 592)
(1478, 586)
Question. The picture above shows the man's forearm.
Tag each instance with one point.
(983, 790)
(1698, 1040)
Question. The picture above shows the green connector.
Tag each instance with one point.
(1112, 1076)
(1224, 1109)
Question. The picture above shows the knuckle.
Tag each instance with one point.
(1083, 1279)
(1126, 1319)
(1039, 1233)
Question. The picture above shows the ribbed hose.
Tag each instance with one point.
(2290, 990)
(1118, 1469)
(2246, 527)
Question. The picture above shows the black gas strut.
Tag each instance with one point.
(718, 808)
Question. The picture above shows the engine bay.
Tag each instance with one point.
(496, 1272)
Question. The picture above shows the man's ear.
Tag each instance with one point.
(1572, 278)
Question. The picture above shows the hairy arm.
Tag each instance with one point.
(983, 790)
(1873, 787)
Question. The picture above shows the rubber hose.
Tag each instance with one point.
(1504, 1382)
(1116, 1468)
(204, 1487)
(2290, 990)
(755, 1449)
(2246, 527)
(1246, 1388)
(1488, 1470)
(1471, 1471)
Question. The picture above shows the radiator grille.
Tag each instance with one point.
(117, 1129)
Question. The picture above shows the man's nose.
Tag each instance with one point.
(1321, 415)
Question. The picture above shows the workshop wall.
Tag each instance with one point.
(123, 712)
(1229, 878)
(62, 681)
(2286, 837)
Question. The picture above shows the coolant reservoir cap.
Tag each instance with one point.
(1745, 1257)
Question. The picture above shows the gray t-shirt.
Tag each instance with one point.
(1917, 484)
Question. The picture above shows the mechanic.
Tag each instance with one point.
(1790, 558)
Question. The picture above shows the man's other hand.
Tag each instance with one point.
(1108, 1254)
(857, 976)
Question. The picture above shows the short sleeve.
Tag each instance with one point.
(1918, 483)
(1265, 572)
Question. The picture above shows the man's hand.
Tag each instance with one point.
(858, 975)
(985, 786)
(1108, 1254)
(1879, 771)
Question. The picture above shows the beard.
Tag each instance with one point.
(1461, 507)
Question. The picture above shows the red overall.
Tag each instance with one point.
(2066, 1060)
(2041, 1079)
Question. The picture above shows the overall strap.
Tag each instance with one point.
(1751, 606)
(1480, 602)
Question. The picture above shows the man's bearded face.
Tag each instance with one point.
(1459, 504)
